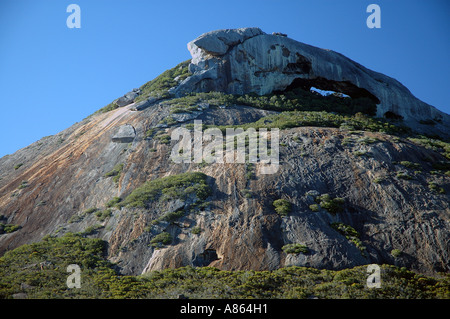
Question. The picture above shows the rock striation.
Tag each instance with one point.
(247, 60)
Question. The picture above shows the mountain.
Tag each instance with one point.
(360, 180)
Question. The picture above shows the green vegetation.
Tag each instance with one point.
(378, 180)
(16, 167)
(247, 193)
(436, 188)
(314, 207)
(282, 206)
(23, 185)
(404, 175)
(332, 205)
(286, 120)
(43, 265)
(113, 202)
(90, 210)
(41, 268)
(351, 234)
(163, 139)
(115, 173)
(161, 239)
(433, 144)
(295, 249)
(160, 86)
(396, 253)
(196, 230)
(410, 165)
(103, 214)
(169, 217)
(8, 228)
(91, 230)
(111, 106)
(170, 187)
(296, 99)
(367, 140)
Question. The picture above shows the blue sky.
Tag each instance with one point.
(52, 76)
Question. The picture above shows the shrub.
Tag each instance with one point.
(351, 234)
(75, 218)
(247, 193)
(115, 173)
(411, 165)
(102, 215)
(113, 202)
(282, 206)
(174, 186)
(23, 185)
(435, 188)
(16, 167)
(90, 210)
(396, 253)
(8, 228)
(314, 207)
(91, 230)
(378, 180)
(163, 238)
(332, 205)
(345, 230)
(163, 139)
(404, 175)
(159, 86)
(295, 249)
(170, 217)
(196, 230)
(367, 140)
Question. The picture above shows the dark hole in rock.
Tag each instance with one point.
(301, 66)
(393, 116)
(205, 258)
(345, 87)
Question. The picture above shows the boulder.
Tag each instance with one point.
(125, 134)
(127, 98)
(139, 106)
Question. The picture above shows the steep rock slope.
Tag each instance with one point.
(354, 196)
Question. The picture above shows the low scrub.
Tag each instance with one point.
(42, 267)
(282, 206)
(170, 187)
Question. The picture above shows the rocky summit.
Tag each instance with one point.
(248, 60)
(363, 172)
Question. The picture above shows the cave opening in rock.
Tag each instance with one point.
(300, 96)
(205, 258)
(345, 87)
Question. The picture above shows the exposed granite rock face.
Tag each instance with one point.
(67, 173)
(248, 60)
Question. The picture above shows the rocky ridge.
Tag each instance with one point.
(356, 196)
